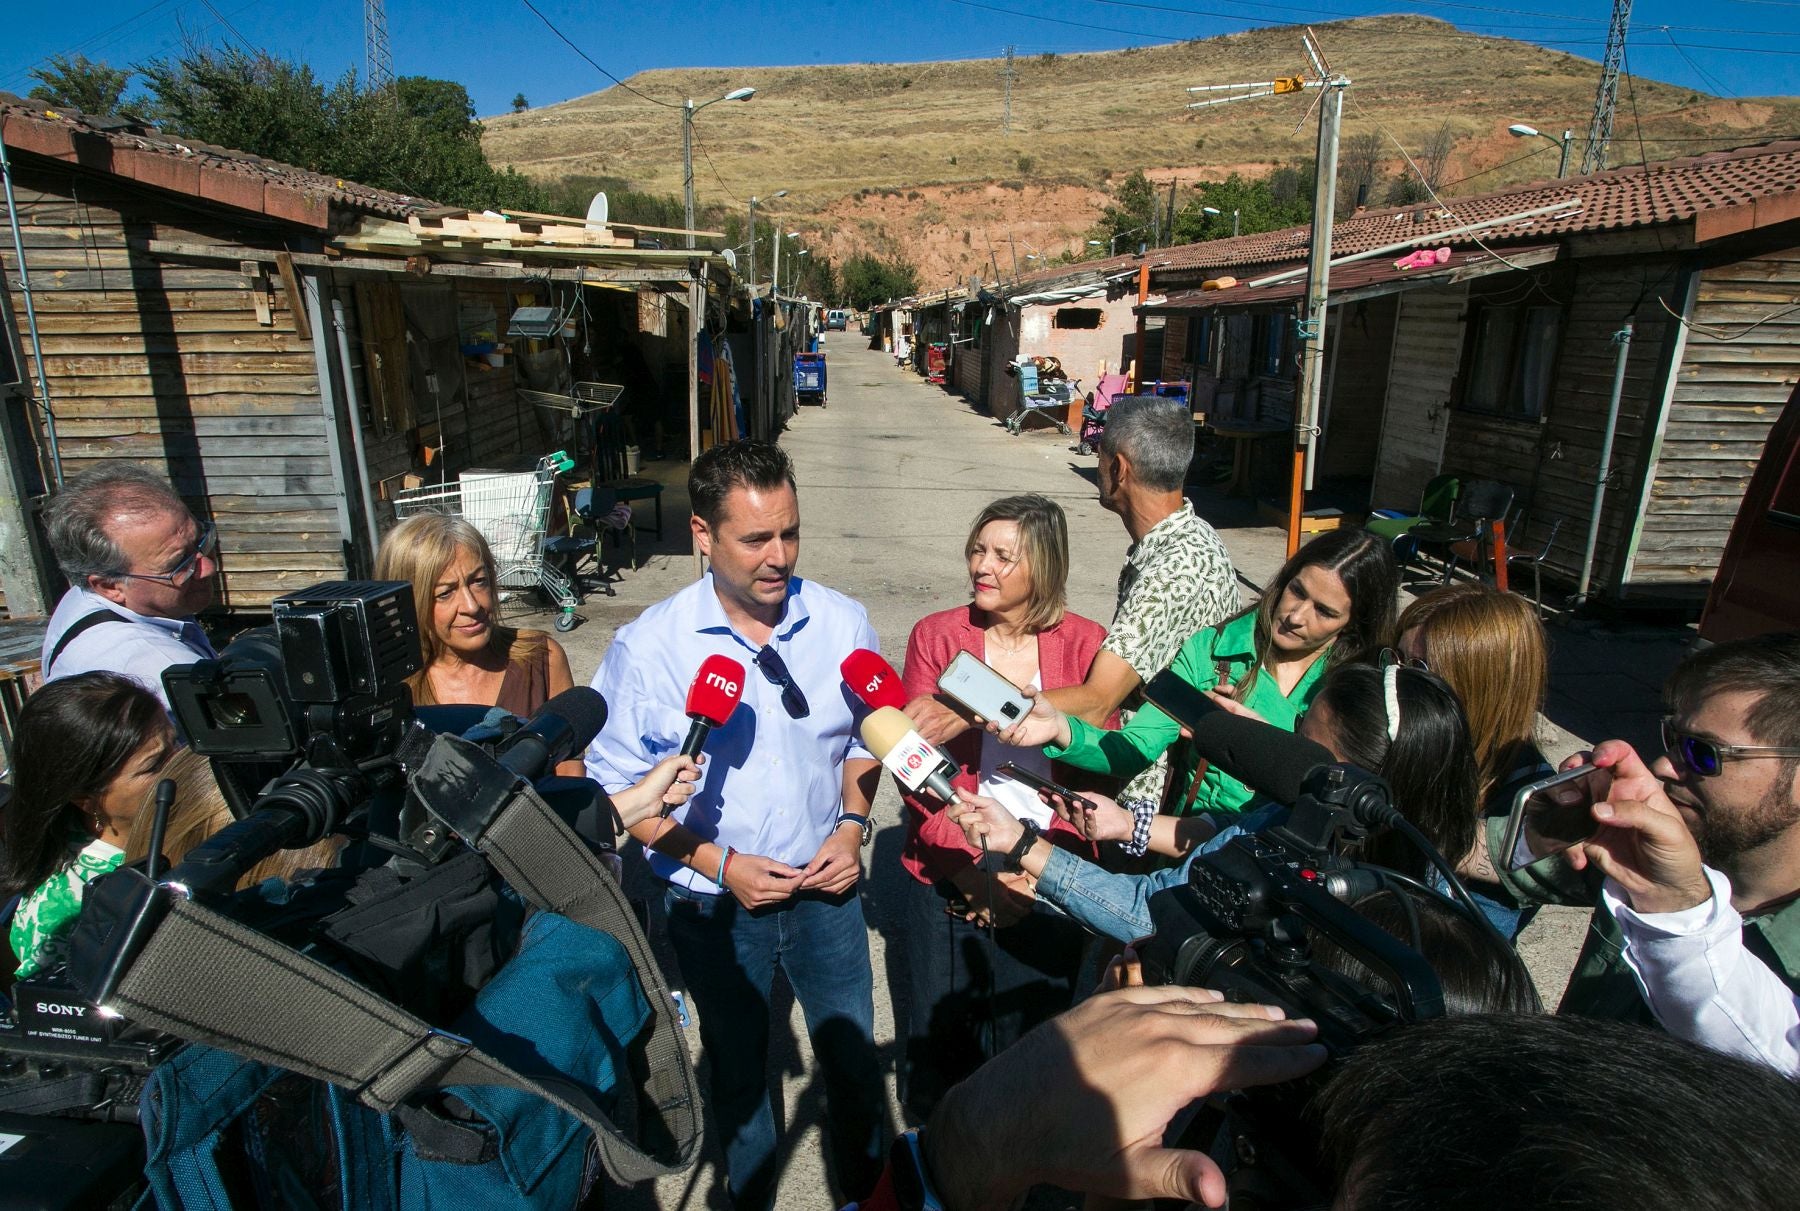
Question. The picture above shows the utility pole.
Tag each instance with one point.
(1173, 182)
(378, 59)
(1311, 330)
(1007, 74)
(1606, 97)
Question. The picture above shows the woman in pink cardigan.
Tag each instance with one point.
(965, 1002)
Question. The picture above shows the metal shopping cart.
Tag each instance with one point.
(512, 511)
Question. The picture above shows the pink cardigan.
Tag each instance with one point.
(935, 848)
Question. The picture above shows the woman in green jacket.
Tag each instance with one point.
(1331, 603)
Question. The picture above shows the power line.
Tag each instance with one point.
(590, 59)
(1711, 80)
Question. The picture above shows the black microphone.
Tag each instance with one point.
(1260, 755)
(562, 727)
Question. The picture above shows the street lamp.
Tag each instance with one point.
(1113, 249)
(775, 278)
(688, 110)
(1216, 212)
(794, 285)
(1522, 131)
(779, 193)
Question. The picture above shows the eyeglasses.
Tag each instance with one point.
(1708, 757)
(1392, 657)
(205, 546)
(772, 667)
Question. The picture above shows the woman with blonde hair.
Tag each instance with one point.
(469, 657)
(1016, 621)
(1490, 648)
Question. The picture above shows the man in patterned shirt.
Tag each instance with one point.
(1177, 576)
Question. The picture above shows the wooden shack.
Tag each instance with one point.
(286, 347)
(1498, 360)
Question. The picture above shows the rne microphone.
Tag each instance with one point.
(561, 728)
(872, 679)
(714, 695)
(908, 756)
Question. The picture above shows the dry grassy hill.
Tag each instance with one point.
(912, 158)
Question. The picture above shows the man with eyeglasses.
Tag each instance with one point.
(763, 863)
(139, 568)
(1700, 920)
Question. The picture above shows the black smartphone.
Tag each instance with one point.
(1044, 784)
(1555, 813)
(1179, 700)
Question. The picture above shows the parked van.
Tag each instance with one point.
(837, 318)
(1757, 589)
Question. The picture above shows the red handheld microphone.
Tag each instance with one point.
(873, 680)
(711, 699)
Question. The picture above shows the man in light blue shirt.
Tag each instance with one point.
(763, 863)
(139, 567)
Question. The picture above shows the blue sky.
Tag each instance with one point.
(498, 48)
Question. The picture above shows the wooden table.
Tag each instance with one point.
(1244, 435)
(21, 642)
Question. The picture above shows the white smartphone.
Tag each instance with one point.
(981, 690)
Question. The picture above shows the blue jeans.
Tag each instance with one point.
(728, 957)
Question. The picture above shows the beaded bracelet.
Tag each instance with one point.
(1143, 811)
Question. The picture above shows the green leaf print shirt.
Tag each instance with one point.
(40, 929)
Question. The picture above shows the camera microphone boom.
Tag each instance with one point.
(560, 729)
(908, 756)
(873, 680)
(711, 699)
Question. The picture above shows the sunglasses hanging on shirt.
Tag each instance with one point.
(769, 661)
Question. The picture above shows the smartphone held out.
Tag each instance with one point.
(1554, 814)
(982, 691)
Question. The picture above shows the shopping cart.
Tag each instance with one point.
(512, 511)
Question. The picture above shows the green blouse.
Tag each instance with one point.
(40, 928)
(1228, 649)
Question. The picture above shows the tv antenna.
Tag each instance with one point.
(1310, 332)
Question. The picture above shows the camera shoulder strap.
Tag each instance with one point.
(85, 623)
(206, 977)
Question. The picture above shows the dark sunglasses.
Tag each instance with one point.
(1392, 657)
(792, 700)
(1708, 757)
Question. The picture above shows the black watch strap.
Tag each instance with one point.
(1015, 857)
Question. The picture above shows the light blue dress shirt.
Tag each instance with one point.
(140, 651)
(771, 785)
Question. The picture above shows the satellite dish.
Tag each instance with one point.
(730, 256)
(597, 210)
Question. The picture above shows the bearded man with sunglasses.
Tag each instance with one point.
(763, 863)
(139, 568)
(1700, 921)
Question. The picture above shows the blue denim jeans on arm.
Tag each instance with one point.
(728, 957)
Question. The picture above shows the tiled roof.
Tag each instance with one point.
(217, 174)
(1358, 279)
(1721, 193)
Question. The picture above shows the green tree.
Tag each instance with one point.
(1131, 213)
(868, 280)
(81, 84)
(1282, 199)
(420, 138)
(519, 103)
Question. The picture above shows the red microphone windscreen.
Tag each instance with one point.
(716, 690)
(872, 679)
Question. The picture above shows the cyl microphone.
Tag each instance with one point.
(714, 695)
(908, 756)
(872, 679)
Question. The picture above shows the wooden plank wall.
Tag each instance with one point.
(1359, 341)
(1553, 465)
(165, 364)
(1428, 338)
(1728, 393)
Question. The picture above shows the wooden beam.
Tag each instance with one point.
(284, 265)
(563, 218)
(654, 271)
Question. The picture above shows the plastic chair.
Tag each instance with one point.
(1481, 504)
(1437, 503)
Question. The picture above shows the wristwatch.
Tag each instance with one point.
(862, 822)
(1015, 857)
